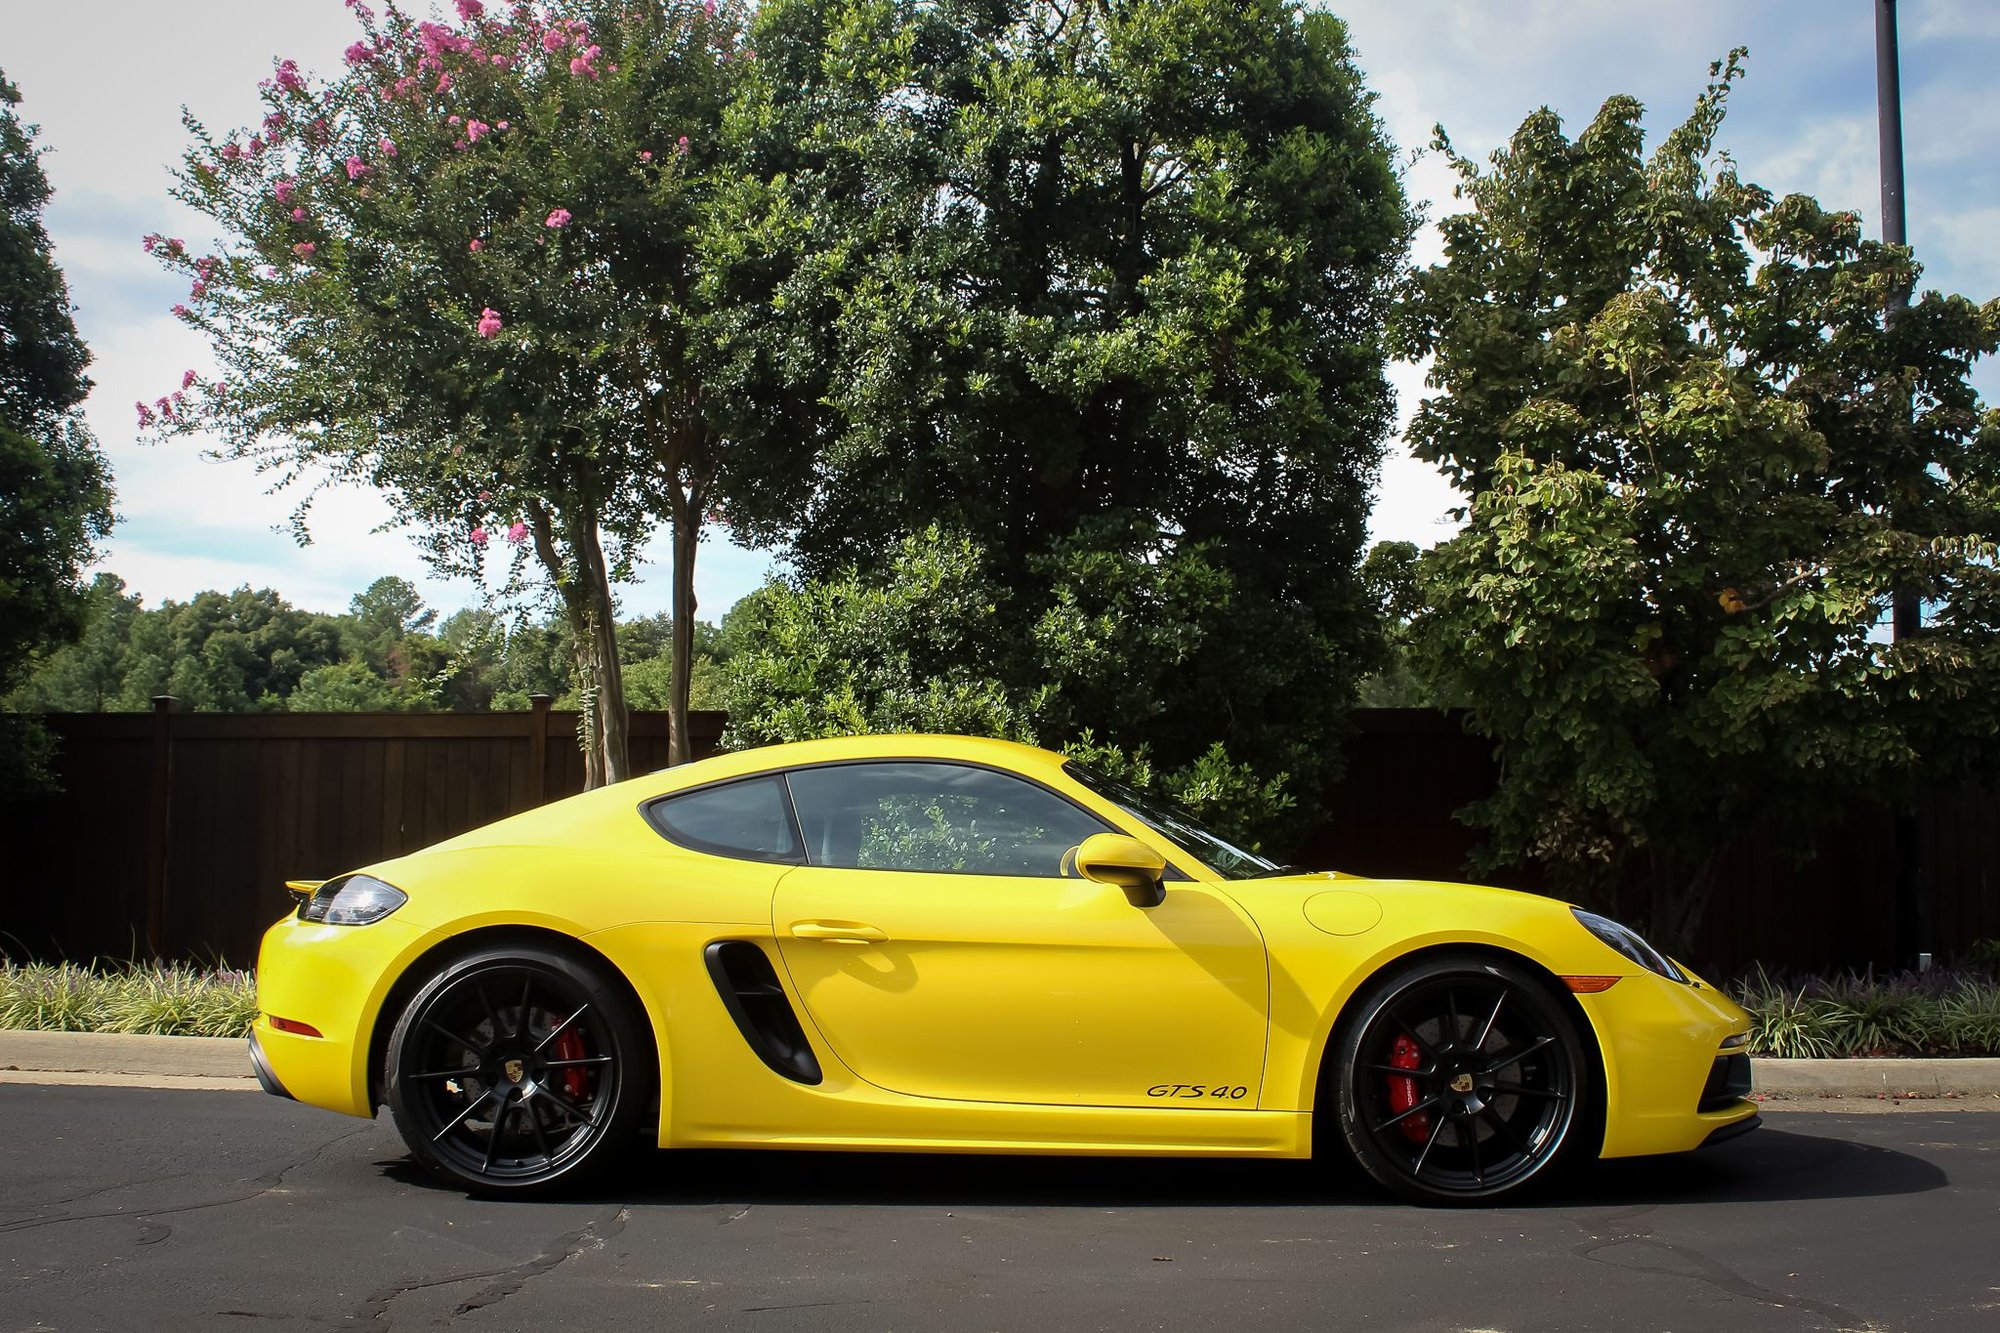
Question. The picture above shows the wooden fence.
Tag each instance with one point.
(1408, 770)
(173, 833)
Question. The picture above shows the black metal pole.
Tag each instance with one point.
(1914, 828)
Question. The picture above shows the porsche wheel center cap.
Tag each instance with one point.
(1462, 1083)
(516, 1071)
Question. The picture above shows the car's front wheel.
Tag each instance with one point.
(517, 1068)
(1460, 1080)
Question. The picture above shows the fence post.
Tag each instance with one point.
(538, 748)
(159, 814)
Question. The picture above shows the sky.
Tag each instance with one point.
(1802, 120)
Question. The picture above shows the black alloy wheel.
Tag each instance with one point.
(1461, 1080)
(517, 1068)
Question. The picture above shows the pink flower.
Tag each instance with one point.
(198, 290)
(175, 245)
(581, 65)
(454, 120)
(502, 62)
(145, 415)
(708, 7)
(165, 406)
(388, 147)
(517, 532)
(444, 82)
(229, 152)
(558, 218)
(681, 145)
(150, 240)
(475, 244)
(182, 311)
(356, 169)
(484, 496)
(361, 11)
(188, 380)
(645, 155)
(256, 144)
(288, 76)
(360, 53)
(284, 190)
(479, 535)
(269, 271)
(305, 249)
(489, 323)
(553, 40)
(469, 9)
(475, 130)
(298, 215)
(501, 125)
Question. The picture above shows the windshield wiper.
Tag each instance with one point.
(1276, 871)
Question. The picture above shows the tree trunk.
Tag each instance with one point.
(604, 729)
(598, 645)
(687, 538)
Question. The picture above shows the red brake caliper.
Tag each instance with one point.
(569, 1046)
(1403, 1091)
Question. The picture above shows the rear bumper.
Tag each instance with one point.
(266, 1078)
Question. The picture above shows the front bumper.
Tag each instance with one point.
(1670, 1083)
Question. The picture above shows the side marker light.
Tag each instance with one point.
(1589, 985)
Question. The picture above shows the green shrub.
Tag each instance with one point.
(151, 998)
(1945, 1012)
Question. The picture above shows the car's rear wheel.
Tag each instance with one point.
(1461, 1080)
(516, 1069)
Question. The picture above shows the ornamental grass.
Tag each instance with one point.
(151, 998)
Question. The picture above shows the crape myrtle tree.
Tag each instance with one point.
(55, 493)
(464, 271)
(1700, 461)
(1097, 285)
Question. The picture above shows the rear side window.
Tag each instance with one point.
(935, 817)
(750, 820)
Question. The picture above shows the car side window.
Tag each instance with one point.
(747, 819)
(935, 817)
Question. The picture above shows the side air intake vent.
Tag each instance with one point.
(750, 990)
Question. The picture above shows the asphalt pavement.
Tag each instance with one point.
(145, 1208)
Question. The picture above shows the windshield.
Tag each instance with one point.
(1163, 817)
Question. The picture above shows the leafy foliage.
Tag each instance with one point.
(464, 272)
(1701, 461)
(55, 493)
(935, 644)
(1097, 287)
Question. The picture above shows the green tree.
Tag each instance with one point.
(55, 493)
(1098, 285)
(1700, 461)
(935, 643)
(465, 272)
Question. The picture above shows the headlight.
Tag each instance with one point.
(352, 900)
(1627, 941)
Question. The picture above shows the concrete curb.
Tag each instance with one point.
(1877, 1078)
(118, 1053)
(229, 1058)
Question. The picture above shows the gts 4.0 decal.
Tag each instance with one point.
(1222, 1092)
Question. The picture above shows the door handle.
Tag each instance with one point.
(838, 932)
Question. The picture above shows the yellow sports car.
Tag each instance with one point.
(948, 944)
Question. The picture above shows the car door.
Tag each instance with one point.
(941, 951)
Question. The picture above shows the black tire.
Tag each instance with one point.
(518, 1070)
(1461, 1080)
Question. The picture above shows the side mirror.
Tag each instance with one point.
(1113, 858)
